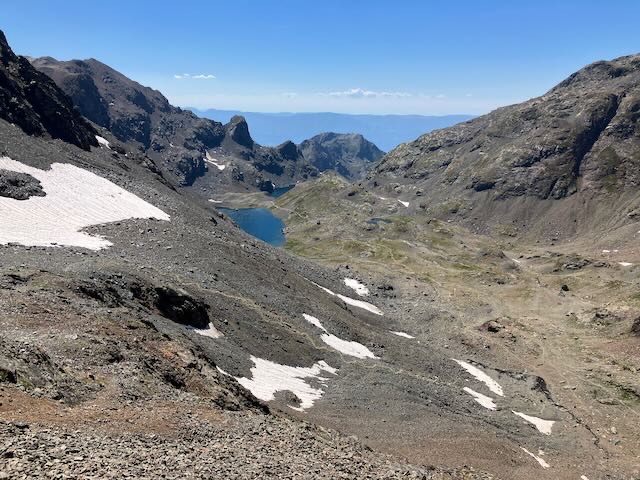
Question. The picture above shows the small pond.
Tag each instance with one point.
(260, 223)
(278, 192)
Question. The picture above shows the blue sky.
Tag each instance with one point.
(354, 56)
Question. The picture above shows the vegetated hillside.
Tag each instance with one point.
(351, 155)
(556, 164)
(176, 138)
(386, 131)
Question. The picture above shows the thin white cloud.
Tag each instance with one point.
(289, 94)
(441, 95)
(362, 93)
(201, 76)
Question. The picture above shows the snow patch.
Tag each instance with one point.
(215, 201)
(481, 376)
(406, 204)
(625, 264)
(270, 377)
(210, 331)
(353, 302)
(314, 321)
(402, 334)
(347, 347)
(357, 287)
(543, 426)
(542, 463)
(584, 477)
(75, 199)
(103, 142)
(486, 402)
(209, 159)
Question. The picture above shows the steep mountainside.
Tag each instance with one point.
(351, 155)
(176, 138)
(32, 101)
(580, 142)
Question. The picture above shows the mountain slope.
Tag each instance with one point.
(386, 131)
(578, 142)
(351, 155)
(177, 139)
(34, 103)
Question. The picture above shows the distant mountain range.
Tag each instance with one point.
(386, 131)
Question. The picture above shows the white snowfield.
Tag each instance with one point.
(481, 376)
(103, 142)
(356, 286)
(486, 402)
(353, 302)
(543, 426)
(75, 199)
(347, 347)
(402, 334)
(209, 159)
(270, 377)
(406, 204)
(542, 463)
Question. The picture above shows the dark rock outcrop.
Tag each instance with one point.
(19, 186)
(33, 102)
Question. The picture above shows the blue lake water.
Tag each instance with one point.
(260, 223)
(277, 192)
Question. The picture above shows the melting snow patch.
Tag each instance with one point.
(358, 287)
(210, 331)
(542, 463)
(606, 251)
(215, 201)
(347, 347)
(75, 199)
(406, 204)
(353, 302)
(270, 377)
(214, 162)
(543, 426)
(486, 402)
(314, 321)
(481, 376)
(103, 142)
(625, 264)
(584, 477)
(402, 334)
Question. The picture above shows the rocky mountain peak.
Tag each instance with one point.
(238, 130)
(288, 150)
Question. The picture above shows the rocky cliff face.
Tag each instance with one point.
(33, 102)
(351, 155)
(581, 137)
(177, 139)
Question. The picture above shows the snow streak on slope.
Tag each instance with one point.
(353, 302)
(357, 287)
(542, 463)
(347, 347)
(270, 377)
(486, 402)
(75, 199)
(543, 426)
(481, 376)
